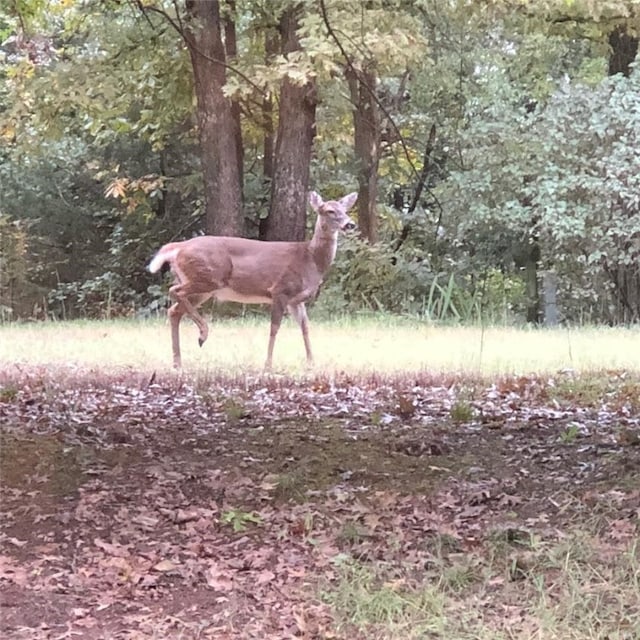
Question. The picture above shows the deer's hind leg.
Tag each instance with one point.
(197, 278)
(176, 311)
(189, 300)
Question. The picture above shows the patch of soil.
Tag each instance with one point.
(134, 510)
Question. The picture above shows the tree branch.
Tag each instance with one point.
(356, 73)
(178, 25)
(143, 8)
(23, 26)
(426, 166)
(422, 181)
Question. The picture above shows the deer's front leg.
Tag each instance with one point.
(299, 312)
(277, 312)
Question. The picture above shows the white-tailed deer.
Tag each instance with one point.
(282, 274)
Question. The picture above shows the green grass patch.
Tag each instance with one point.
(374, 601)
(574, 589)
(384, 345)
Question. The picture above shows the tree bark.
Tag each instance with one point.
(271, 46)
(532, 257)
(625, 278)
(231, 51)
(218, 126)
(531, 288)
(366, 123)
(296, 130)
(624, 48)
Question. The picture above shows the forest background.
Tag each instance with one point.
(494, 146)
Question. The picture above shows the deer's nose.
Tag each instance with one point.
(349, 226)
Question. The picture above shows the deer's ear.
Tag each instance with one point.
(348, 201)
(315, 200)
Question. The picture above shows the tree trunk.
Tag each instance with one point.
(296, 130)
(624, 48)
(366, 123)
(532, 292)
(268, 142)
(218, 127)
(231, 51)
(626, 278)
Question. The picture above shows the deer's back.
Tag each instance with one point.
(244, 270)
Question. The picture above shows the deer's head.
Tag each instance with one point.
(333, 213)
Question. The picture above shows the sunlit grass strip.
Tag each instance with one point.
(381, 345)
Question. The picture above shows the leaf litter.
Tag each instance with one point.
(223, 507)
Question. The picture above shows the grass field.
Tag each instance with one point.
(385, 345)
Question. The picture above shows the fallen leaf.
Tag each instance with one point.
(265, 576)
(165, 566)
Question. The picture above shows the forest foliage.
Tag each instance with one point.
(491, 143)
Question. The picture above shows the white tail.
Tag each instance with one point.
(166, 254)
(282, 274)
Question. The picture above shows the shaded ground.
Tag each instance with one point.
(245, 508)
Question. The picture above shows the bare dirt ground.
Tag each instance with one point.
(146, 509)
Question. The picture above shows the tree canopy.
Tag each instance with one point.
(490, 142)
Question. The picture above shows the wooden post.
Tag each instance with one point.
(550, 298)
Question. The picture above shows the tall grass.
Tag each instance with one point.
(358, 344)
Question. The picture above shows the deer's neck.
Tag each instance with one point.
(323, 247)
